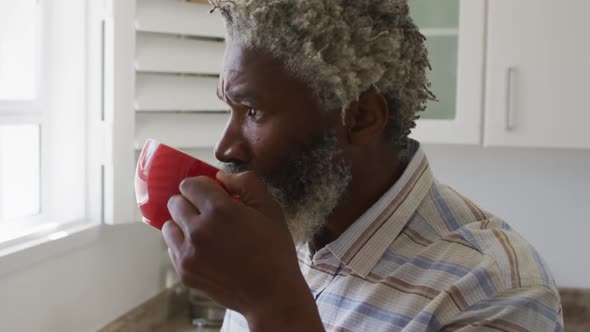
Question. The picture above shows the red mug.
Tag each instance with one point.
(160, 170)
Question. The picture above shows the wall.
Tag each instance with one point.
(543, 193)
(86, 288)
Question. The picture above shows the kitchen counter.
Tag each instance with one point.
(182, 324)
(576, 309)
(169, 312)
(166, 312)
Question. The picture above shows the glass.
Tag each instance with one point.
(443, 59)
(19, 28)
(19, 171)
(439, 22)
(435, 13)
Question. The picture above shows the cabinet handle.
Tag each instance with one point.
(509, 116)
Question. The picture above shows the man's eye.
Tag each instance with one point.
(254, 113)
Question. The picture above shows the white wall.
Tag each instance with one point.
(85, 289)
(543, 193)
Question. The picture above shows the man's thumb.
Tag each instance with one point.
(250, 190)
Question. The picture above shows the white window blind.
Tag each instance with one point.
(178, 56)
(162, 63)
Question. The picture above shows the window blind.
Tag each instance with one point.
(179, 51)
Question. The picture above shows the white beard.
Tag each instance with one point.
(313, 186)
(324, 178)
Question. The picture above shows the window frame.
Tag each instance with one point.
(30, 112)
(48, 229)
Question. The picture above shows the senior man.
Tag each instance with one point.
(340, 224)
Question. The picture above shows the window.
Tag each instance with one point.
(19, 50)
(20, 170)
(44, 114)
(20, 114)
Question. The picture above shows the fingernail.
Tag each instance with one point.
(220, 175)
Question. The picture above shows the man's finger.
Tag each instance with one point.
(201, 191)
(183, 213)
(173, 236)
(189, 280)
(173, 259)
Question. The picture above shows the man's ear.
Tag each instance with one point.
(365, 119)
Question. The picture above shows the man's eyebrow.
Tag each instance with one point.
(243, 96)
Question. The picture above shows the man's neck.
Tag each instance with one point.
(370, 180)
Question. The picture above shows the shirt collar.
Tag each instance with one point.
(362, 245)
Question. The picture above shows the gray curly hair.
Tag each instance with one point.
(341, 48)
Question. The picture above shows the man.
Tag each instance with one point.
(340, 225)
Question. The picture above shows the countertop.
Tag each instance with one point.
(169, 312)
(166, 312)
(182, 324)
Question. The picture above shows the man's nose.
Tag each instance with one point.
(232, 146)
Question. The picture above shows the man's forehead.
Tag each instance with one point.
(243, 77)
(248, 72)
(238, 59)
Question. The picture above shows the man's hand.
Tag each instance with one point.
(239, 252)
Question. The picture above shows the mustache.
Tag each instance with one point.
(234, 167)
(237, 167)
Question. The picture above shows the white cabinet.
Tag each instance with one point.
(538, 74)
(455, 32)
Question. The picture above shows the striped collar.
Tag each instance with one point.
(362, 245)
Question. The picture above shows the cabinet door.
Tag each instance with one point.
(538, 74)
(455, 32)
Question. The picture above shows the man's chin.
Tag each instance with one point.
(303, 227)
(307, 215)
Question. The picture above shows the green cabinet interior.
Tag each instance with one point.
(439, 22)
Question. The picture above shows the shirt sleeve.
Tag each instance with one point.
(535, 309)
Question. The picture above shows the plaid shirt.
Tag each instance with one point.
(425, 258)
